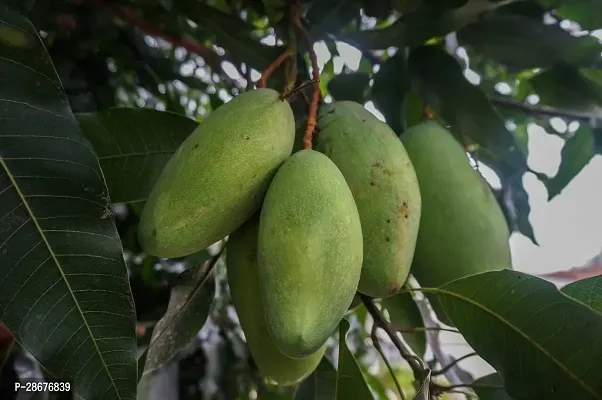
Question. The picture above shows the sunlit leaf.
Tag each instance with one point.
(575, 155)
(520, 324)
(587, 291)
(63, 281)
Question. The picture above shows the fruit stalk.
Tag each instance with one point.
(315, 96)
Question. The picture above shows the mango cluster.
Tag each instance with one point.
(308, 229)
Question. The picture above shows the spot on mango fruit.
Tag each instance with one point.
(381, 177)
(243, 279)
(309, 252)
(462, 229)
(217, 178)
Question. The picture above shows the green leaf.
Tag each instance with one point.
(391, 86)
(320, 385)
(438, 78)
(413, 109)
(581, 11)
(525, 328)
(22, 6)
(346, 383)
(575, 155)
(64, 290)
(565, 87)
(405, 314)
(188, 309)
(134, 145)
(490, 387)
(350, 381)
(417, 27)
(521, 42)
(587, 291)
(331, 16)
(351, 87)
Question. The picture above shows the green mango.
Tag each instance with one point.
(462, 229)
(243, 278)
(310, 252)
(385, 188)
(217, 178)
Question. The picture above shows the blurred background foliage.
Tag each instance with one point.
(489, 69)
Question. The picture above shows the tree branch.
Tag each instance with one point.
(541, 110)
(416, 364)
(128, 16)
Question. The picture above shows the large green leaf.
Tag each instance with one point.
(490, 387)
(64, 289)
(405, 314)
(587, 291)
(566, 88)
(521, 42)
(583, 11)
(575, 155)
(526, 328)
(438, 78)
(189, 304)
(134, 145)
(390, 90)
(331, 16)
(419, 26)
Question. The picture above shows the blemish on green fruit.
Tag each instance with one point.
(384, 186)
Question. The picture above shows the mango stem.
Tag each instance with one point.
(315, 71)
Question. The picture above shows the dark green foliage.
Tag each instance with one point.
(84, 135)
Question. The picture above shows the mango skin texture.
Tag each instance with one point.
(385, 188)
(217, 178)
(309, 252)
(243, 278)
(462, 229)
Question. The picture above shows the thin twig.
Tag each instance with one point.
(378, 348)
(128, 16)
(423, 329)
(416, 364)
(451, 365)
(542, 110)
(272, 67)
(315, 71)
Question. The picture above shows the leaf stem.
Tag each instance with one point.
(290, 72)
(416, 364)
